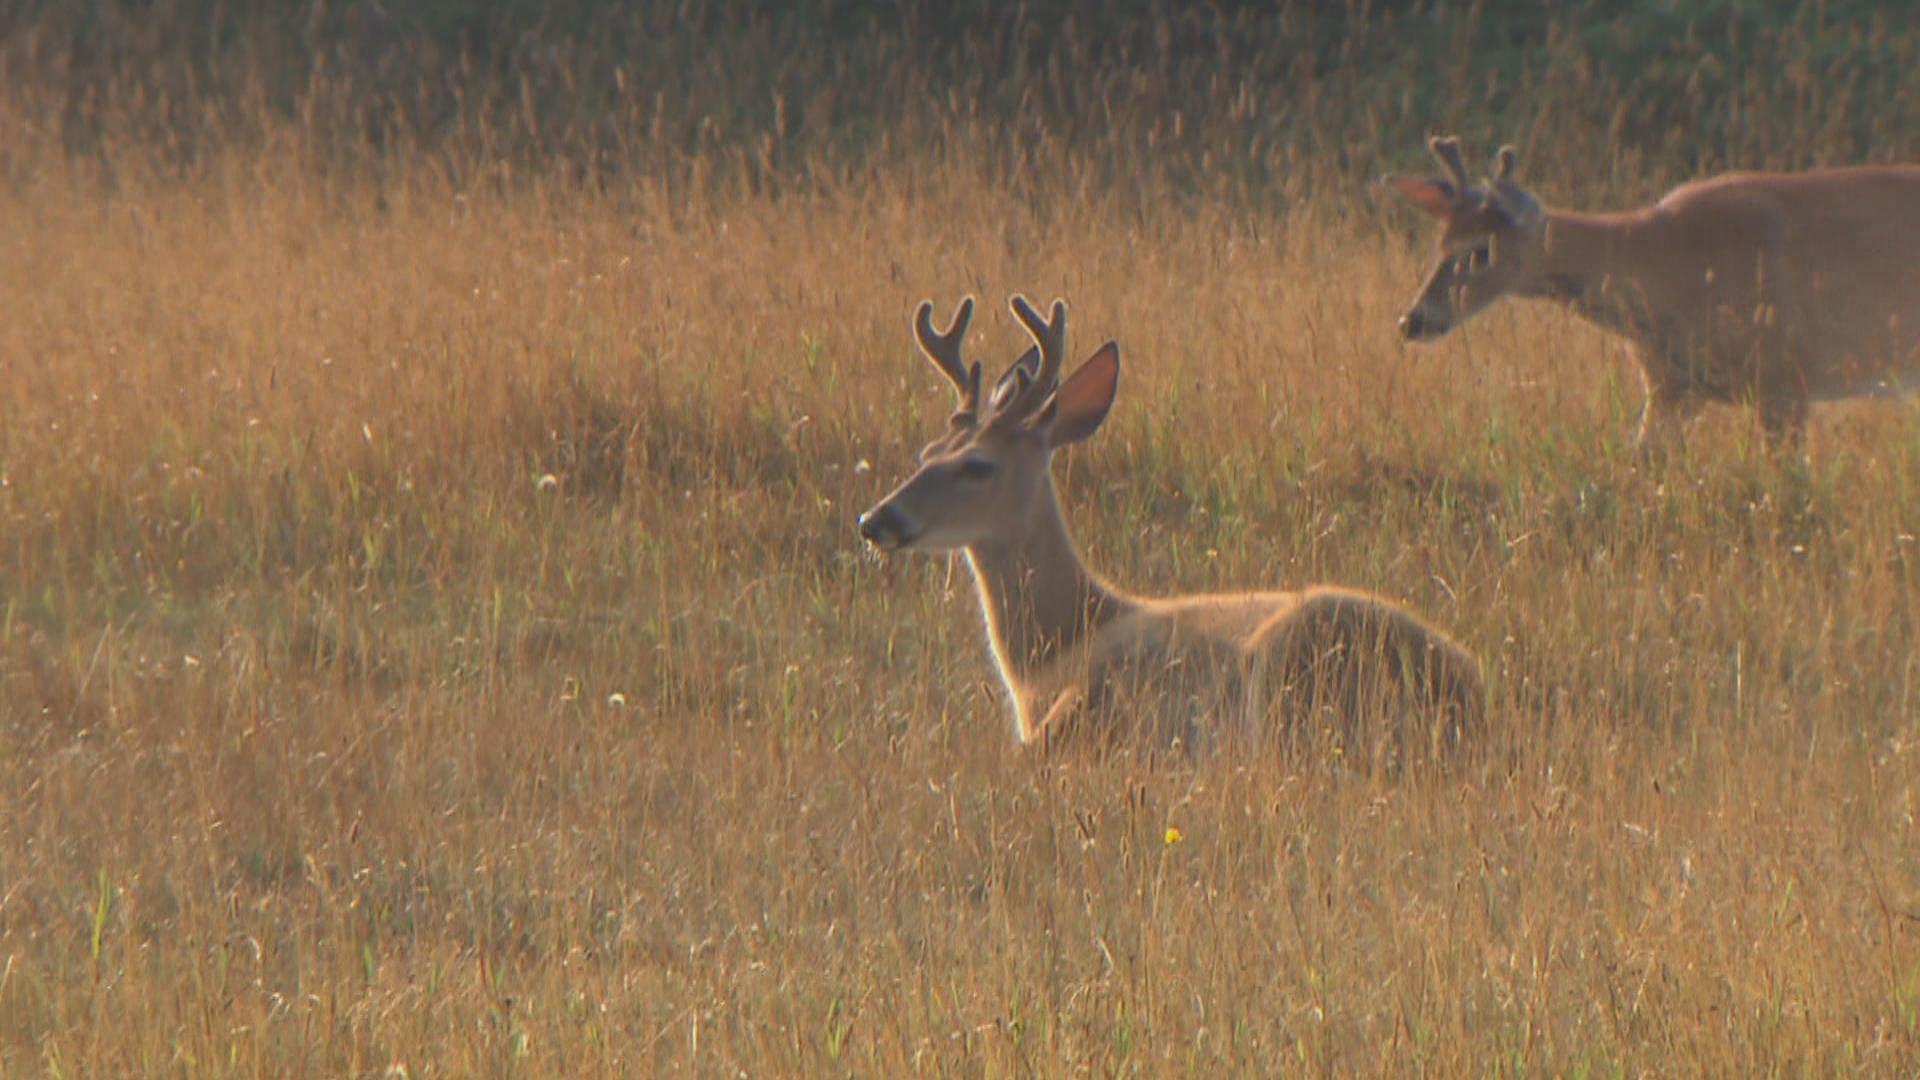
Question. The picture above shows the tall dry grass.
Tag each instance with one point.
(433, 639)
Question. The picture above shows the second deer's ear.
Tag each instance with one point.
(1432, 194)
(1082, 401)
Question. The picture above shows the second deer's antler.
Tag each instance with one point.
(1448, 151)
(1504, 162)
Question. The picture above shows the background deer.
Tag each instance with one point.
(1083, 660)
(1782, 289)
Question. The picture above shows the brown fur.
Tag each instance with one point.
(1195, 670)
(1780, 289)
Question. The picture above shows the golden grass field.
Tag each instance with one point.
(434, 642)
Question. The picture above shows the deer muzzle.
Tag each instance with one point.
(1418, 325)
(886, 528)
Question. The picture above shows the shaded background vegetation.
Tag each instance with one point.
(1256, 99)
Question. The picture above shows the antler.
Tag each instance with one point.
(1448, 151)
(1504, 162)
(1505, 195)
(943, 348)
(1050, 338)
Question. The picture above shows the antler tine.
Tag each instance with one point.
(943, 348)
(1448, 151)
(1050, 336)
(1504, 161)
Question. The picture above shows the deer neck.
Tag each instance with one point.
(1040, 600)
(1598, 265)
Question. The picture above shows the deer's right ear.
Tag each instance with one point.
(1082, 401)
(1429, 193)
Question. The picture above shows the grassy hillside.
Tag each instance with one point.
(433, 640)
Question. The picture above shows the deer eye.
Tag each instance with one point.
(974, 468)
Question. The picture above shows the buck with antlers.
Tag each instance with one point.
(1083, 661)
(1779, 288)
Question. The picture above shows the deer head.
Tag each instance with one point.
(1492, 244)
(985, 479)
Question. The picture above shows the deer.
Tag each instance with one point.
(1084, 663)
(1779, 289)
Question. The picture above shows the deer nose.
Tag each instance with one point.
(1423, 325)
(883, 526)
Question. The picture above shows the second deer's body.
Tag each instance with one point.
(1783, 289)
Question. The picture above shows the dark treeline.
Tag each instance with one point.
(1242, 94)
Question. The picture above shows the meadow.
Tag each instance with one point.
(434, 641)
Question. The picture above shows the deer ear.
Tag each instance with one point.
(1432, 194)
(1082, 401)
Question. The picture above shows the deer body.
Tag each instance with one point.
(1084, 662)
(1195, 670)
(1782, 289)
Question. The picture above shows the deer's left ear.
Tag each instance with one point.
(1432, 194)
(1082, 401)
